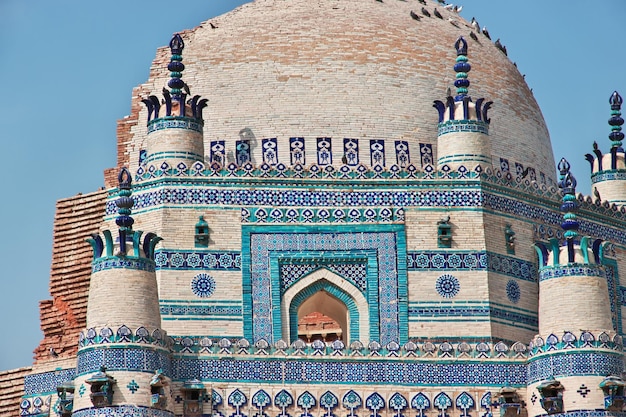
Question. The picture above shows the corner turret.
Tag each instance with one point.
(574, 347)
(175, 123)
(463, 128)
(608, 171)
(123, 345)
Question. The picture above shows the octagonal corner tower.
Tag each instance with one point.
(342, 69)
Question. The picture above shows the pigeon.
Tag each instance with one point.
(473, 36)
(475, 25)
(525, 172)
(53, 353)
(597, 194)
(186, 89)
(415, 16)
(453, 22)
(212, 25)
(437, 14)
(500, 46)
(449, 6)
(486, 32)
(425, 12)
(457, 9)
(423, 2)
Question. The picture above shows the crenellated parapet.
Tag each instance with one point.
(175, 121)
(463, 125)
(608, 171)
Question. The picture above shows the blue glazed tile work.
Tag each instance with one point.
(302, 198)
(175, 123)
(47, 382)
(122, 410)
(185, 309)
(617, 175)
(262, 306)
(470, 311)
(570, 364)
(115, 262)
(447, 286)
(324, 215)
(572, 270)
(472, 261)
(615, 297)
(197, 259)
(454, 126)
(124, 359)
(203, 285)
(354, 272)
(353, 372)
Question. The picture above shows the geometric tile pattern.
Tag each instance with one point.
(472, 261)
(305, 198)
(131, 359)
(197, 259)
(106, 263)
(424, 312)
(356, 273)
(122, 410)
(403, 158)
(47, 382)
(447, 286)
(310, 371)
(587, 363)
(262, 309)
(184, 309)
(203, 285)
(570, 271)
(513, 291)
(323, 215)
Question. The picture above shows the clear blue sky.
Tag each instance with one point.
(68, 69)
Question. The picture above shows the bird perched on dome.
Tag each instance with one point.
(415, 16)
(475, 25)
(425, 12)
(437, 14)
(486, 32)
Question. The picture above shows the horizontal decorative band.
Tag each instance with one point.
(426, 313)
(456, 126)
(124, 359)
(115, 262)
(461, 158)
(306, 371)
(47, 382)
(566, 363)
(301, 198)
(472, 261)
(200, 310)
(574, 270)
(612, 175)
(175, 123)
(122, 410)
(307, 215)
(158, 156)
(197, 259)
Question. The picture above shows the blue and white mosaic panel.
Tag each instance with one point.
(297, 151)
(207, 260)
(351, 151)
(324, 151)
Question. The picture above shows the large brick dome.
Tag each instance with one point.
(345, 69)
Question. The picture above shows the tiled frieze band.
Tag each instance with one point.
(454, 126)
(428, 312)
(616, 175)
(472, 261)
(47, 381)
(197, 259)
(175, 123)
(350, 372)
(122, 410)
(124, 359)
(563, 364)
(571, 270)
(115, 262)
(233, 312)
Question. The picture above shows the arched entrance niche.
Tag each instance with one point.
(327, 293)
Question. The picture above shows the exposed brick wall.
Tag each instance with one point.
(63, 317)
(11, 389)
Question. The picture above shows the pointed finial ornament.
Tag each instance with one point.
(124, 203)
(176, 66)
(462, 67)
(616, 120)
(569, 205)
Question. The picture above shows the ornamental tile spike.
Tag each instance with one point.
(567, 184)
(616, 121)
(462, 67)
(124, 202)
(176, 66)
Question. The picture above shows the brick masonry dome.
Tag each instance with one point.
(345, 69)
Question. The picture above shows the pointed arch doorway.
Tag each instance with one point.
(325, 292)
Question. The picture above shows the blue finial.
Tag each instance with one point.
(124, 202)
(462, 67)
(176, 66)
(616, 120)
(567, 184)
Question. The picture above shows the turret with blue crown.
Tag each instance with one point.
(175, 122)
(123, 323)
(608, 171)
(463, 127)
